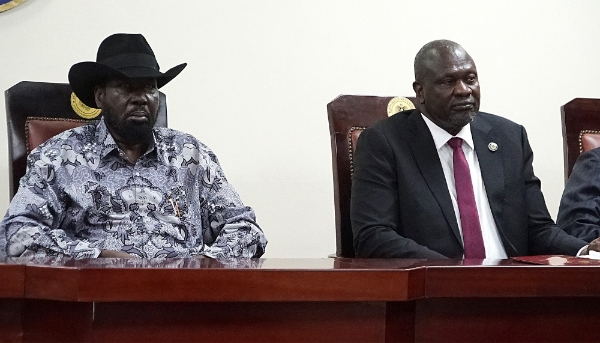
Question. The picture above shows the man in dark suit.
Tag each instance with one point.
(579, 212)
(448, 181)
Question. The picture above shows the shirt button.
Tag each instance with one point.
(137, 174)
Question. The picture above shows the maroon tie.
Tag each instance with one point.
(469, 219)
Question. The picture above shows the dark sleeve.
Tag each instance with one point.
(374, 203)
(544, 236)
(579, 211)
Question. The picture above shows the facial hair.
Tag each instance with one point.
(461, 120)
(129, 130)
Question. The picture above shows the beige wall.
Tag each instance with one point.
(261, 73)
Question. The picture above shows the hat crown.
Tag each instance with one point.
(120, 47)
(121, 55)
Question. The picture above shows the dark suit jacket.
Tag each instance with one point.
(579, 212)
(401, 206)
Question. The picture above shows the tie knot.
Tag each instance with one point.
(455, 142)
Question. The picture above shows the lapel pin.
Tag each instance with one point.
(493, 146)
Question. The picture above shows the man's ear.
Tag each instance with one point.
(98, 96)
(418, 88)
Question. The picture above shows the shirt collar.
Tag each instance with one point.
(103, 137)
(441, 136)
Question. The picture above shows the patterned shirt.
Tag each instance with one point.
(81, 195)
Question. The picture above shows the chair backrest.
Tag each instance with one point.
(36, 111)
(348, 116)
(581, 129)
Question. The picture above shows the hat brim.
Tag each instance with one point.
(85, 76)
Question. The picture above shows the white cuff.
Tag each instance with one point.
(581, 250)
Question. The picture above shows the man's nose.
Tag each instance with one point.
(462, 88)
(139, 96)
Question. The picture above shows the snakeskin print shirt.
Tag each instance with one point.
(80, 195)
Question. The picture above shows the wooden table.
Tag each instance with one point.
(296, 300)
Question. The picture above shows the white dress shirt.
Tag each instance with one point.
(491, 239)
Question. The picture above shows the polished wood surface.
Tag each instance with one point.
(291, 300)
(512, 280)
(208, 280)
(12, 278)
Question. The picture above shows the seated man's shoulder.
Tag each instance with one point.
(394, 121)
(495, 118)
(593, 153)
(172, 136)
(498, 122)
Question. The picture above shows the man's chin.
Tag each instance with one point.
(137, 133)
(464, 116)
(459, 120)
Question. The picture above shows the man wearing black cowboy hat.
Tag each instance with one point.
(120, 187)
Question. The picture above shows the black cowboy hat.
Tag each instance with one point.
(119, 55)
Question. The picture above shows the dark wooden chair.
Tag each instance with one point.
(348, 116)
(36, 111)
(581, 129)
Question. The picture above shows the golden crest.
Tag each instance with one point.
(6, 5)
(83, 110)
(399, 104)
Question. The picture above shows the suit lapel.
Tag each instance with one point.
(492, 169)
(423, 147)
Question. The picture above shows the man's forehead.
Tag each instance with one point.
(451, 61)
(456, 65)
